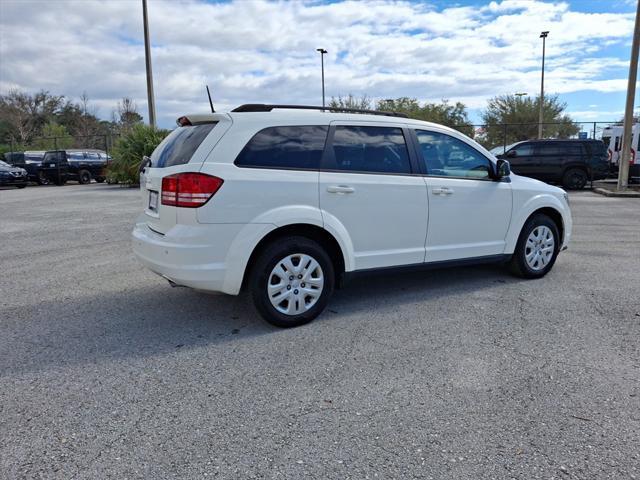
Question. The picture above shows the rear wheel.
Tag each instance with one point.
(84, 177)
(574, 179)
(291, 281)
(537, 248)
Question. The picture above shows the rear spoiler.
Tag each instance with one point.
(201, 119)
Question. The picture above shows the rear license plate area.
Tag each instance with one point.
(153, 200)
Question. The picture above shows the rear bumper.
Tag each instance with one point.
(197, 256)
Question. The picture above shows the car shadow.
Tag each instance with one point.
(158, 320)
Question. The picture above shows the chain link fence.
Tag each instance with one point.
(497, 137)
(102, 142)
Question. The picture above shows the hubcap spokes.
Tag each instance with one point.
(295, 284)
(539, 247)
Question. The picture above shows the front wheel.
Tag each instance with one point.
(291, 281)
(574, 179)
(537, 248)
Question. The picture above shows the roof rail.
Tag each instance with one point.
(264, 107)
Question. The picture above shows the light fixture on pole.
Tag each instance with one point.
(520, 94)
(147, 56)
(322, 52)
(543, 36)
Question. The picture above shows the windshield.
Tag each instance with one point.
(500, 149)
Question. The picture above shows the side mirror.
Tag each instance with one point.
(511, 153)
(503, 169)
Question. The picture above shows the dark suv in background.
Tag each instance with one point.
(77, 164)
(571, 163)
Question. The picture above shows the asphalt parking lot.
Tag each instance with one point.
(107, 372)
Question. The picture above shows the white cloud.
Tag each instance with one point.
(258, 51)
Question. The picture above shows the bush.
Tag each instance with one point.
(128, 151)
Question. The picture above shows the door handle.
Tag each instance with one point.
(340, 189)
(442, 191)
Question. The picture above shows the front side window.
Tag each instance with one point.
(524, 150)
(370, 149)
(298, 147)
(446, 156)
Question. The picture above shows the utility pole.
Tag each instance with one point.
(543, 36)
(147, 56)
(322, 52)
(623, 168)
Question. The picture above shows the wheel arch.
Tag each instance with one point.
(546, 204)
(554, 215)
(310, 231)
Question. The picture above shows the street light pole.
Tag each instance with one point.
(147, 56)
(623, 168)
(322, 52)
(543, 36)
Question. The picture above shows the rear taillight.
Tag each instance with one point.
(189, 190)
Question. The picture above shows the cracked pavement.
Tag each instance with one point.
(469, 373)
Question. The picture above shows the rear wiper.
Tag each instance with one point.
(146, 161)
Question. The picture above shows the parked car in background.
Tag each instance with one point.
(81, 165)
(31, 161)
(571, 163)
(11, 176)
(288, 202)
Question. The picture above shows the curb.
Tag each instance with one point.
(614, 193)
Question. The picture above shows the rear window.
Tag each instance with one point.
(180, 145)
(298, 147)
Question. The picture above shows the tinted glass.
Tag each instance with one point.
(180, 145)
(550, 149)
(371, 149)
(285, 147)
(75, 156)
(524, 150)
(446, 156)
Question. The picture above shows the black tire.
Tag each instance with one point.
(261, 273)
(42, 179)
(100, 179)
(518, 263)
(574, 179)
(84, 177)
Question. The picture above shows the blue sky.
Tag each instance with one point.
(261, 51)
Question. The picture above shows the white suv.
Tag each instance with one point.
(287, 201)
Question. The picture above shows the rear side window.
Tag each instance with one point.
(560, 149)
(180, 145)
(298, 147)
(370, 149)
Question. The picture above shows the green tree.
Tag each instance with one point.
(521, 116)
(450, 114)
(53, 136)
(350, 101)
(138, 141)
(24, 115)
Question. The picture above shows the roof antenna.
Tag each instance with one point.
(210, 102)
